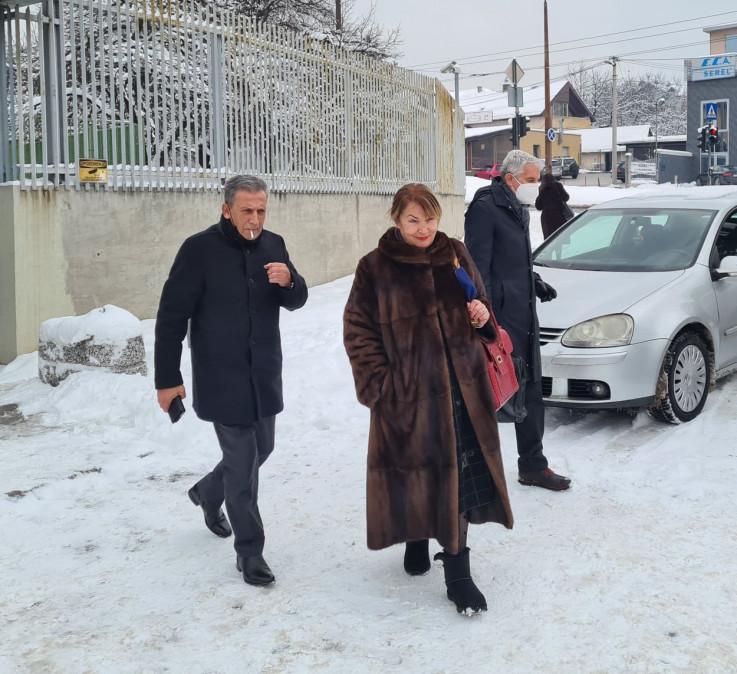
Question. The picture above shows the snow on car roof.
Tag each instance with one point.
(708, 198)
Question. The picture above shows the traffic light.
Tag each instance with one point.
(519, 128)
(702, 139)
(515, 132)
(713, 136)
(522, 125)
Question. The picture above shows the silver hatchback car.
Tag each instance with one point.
(646, 314)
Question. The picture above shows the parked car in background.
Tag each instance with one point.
(556, 168)
(646, 313)
(721, 175)
(570, 167)
(489, 171)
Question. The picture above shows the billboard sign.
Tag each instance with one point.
(714, 67)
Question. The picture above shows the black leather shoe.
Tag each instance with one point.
(547, 479)
(215, 520)
(255, 570)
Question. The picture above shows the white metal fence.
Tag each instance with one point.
(179, 95)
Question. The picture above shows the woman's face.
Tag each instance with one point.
(417, 227)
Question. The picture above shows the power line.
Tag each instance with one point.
(585, 46)
(581, 39)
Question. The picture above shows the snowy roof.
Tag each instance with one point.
(534, 98)
(600, 140)
(470, 97)
(724, 26)
(483, 130)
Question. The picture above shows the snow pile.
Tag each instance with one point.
(108, 337)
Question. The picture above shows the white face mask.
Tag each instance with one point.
(527, 192)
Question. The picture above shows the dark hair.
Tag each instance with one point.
(548, 180)
(415, 193)
(246, 183)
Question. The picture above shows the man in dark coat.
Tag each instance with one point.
(229, 283)
(497, 236)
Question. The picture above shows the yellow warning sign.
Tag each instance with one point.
(92, 171)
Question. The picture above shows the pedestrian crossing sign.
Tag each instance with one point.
(711, 112)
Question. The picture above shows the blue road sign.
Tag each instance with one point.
(551, 134)
(711, 112)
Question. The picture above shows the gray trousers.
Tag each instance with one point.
(235, 480)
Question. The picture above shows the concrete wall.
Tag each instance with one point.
(64, 253)
(8, 341)
(674, 165)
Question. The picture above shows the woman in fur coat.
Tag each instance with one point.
(414, 343)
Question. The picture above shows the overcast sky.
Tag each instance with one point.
(436, 32)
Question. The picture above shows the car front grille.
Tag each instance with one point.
(547, 387)
(548, 335)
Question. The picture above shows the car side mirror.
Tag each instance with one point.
(727, 267)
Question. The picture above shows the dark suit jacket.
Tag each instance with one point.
(218, 282)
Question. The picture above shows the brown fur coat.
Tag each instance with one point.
(405, 307)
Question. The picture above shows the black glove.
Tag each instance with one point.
(544, 292)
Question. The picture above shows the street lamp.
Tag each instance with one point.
(453, 68)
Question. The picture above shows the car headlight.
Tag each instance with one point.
(613, 330)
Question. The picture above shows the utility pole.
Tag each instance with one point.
(339, 14)
(515, 79)
(615, 111)
(548, 115)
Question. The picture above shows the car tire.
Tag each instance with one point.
(683, 384)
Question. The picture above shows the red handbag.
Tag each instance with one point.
(499, 362)
(500, 365)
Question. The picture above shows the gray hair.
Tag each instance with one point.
(515, 162)
(243, 183)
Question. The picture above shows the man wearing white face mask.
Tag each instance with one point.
(497, 236)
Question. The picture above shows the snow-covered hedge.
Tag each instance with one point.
(107, 338)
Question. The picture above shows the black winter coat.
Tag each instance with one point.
(498, 238)
(552, 202)
(218, 281)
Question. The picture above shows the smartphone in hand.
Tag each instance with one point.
(176, 409)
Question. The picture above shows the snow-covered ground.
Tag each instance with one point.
(106, 566)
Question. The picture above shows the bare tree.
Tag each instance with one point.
(319, 18)
(638, 98)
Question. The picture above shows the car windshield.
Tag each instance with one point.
(628, 240)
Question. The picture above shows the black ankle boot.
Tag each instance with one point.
(417, 557)
(462, 591)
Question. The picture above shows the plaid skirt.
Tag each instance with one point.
(475, 484)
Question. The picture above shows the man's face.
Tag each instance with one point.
(247, 213)
(530, 174)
